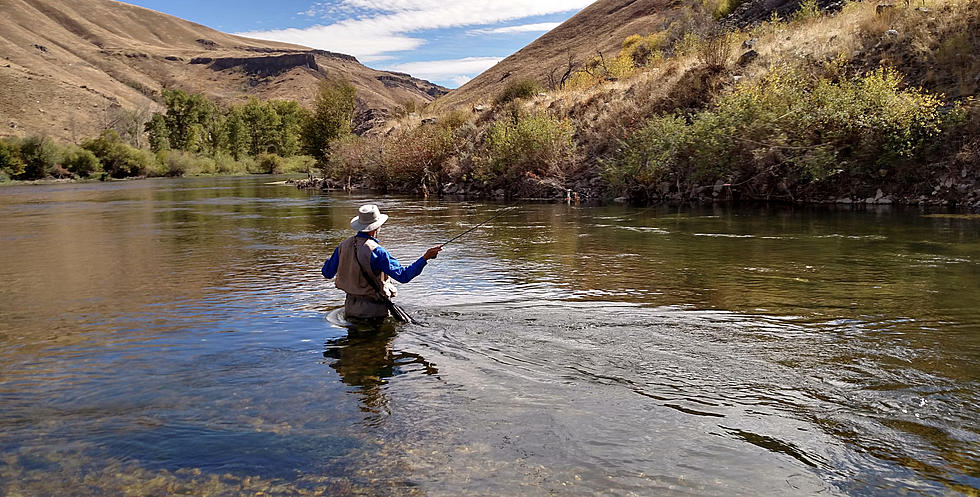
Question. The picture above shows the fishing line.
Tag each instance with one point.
(495, 216)
(491, 218)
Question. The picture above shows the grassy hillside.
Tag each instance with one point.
(863, 104)
(71, 69)
(599, 28)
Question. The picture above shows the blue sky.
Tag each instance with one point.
(444, 41)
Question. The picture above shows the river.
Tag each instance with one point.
(171, 337)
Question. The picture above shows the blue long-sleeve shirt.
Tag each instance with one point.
(381, 260)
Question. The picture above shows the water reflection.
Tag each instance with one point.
(365, 359)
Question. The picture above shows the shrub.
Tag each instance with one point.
(582, 80)
(420, 159)
(406, 108)
(453, 120)
(270, 164)
(226, 164)
(10, 163)
(40, 156)
(688, 44)
(652, 152)
(640, 50)
(58, 171)
(82, 162)
(414, 158)
(808, 10)
(517, 90)
(298, 164)
(724, 7)
(536, 144)
(351, 157)
(715, 51)
(118, 159)
(177, 163)
(792, 125)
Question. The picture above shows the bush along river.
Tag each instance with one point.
(171, 337)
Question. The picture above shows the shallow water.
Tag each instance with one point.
(170, 337)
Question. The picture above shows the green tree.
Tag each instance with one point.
(183, 112)
(195, 139)
(332, 117)
(291, 117)
(263, 122)
(156, 131)
(237, 136)
(215, 135)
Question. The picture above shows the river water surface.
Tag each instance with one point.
(171, 337)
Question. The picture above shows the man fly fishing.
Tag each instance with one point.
(369, 292)
(363, 268)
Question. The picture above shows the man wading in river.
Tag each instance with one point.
(362, 267)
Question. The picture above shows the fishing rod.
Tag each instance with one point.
(495, 216)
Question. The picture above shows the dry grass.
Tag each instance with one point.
(941, 36)
(600, 27)
(933, 46)
(70, 68)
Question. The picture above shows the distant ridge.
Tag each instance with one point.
(600, 27)
(69, 68)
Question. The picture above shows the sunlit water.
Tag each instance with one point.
(171, 337)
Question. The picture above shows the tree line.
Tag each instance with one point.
(196, 135)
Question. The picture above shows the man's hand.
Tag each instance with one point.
(432, 253)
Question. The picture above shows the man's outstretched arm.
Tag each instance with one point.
(381, 260)
(330, 267)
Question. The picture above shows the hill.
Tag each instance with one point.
(599, 28)
(69, 69)
(779, 100)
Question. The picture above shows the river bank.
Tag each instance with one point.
(859, 105)
(954, 191)
(95, 180)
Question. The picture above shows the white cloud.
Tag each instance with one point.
(343, 38)
(372, 28)
(460, 80)
(314, 10)
(447, 70)
(523, 28)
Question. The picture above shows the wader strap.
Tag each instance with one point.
(397, 312)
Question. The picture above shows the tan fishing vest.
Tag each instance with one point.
(349, 276)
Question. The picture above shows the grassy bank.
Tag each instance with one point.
(41, 159)
(864, 103)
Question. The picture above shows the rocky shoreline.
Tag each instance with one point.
(959, 192)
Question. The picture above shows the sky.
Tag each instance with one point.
(447, 42)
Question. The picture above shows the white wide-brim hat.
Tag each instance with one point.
(368, 218)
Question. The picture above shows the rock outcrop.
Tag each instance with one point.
(271, 65)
